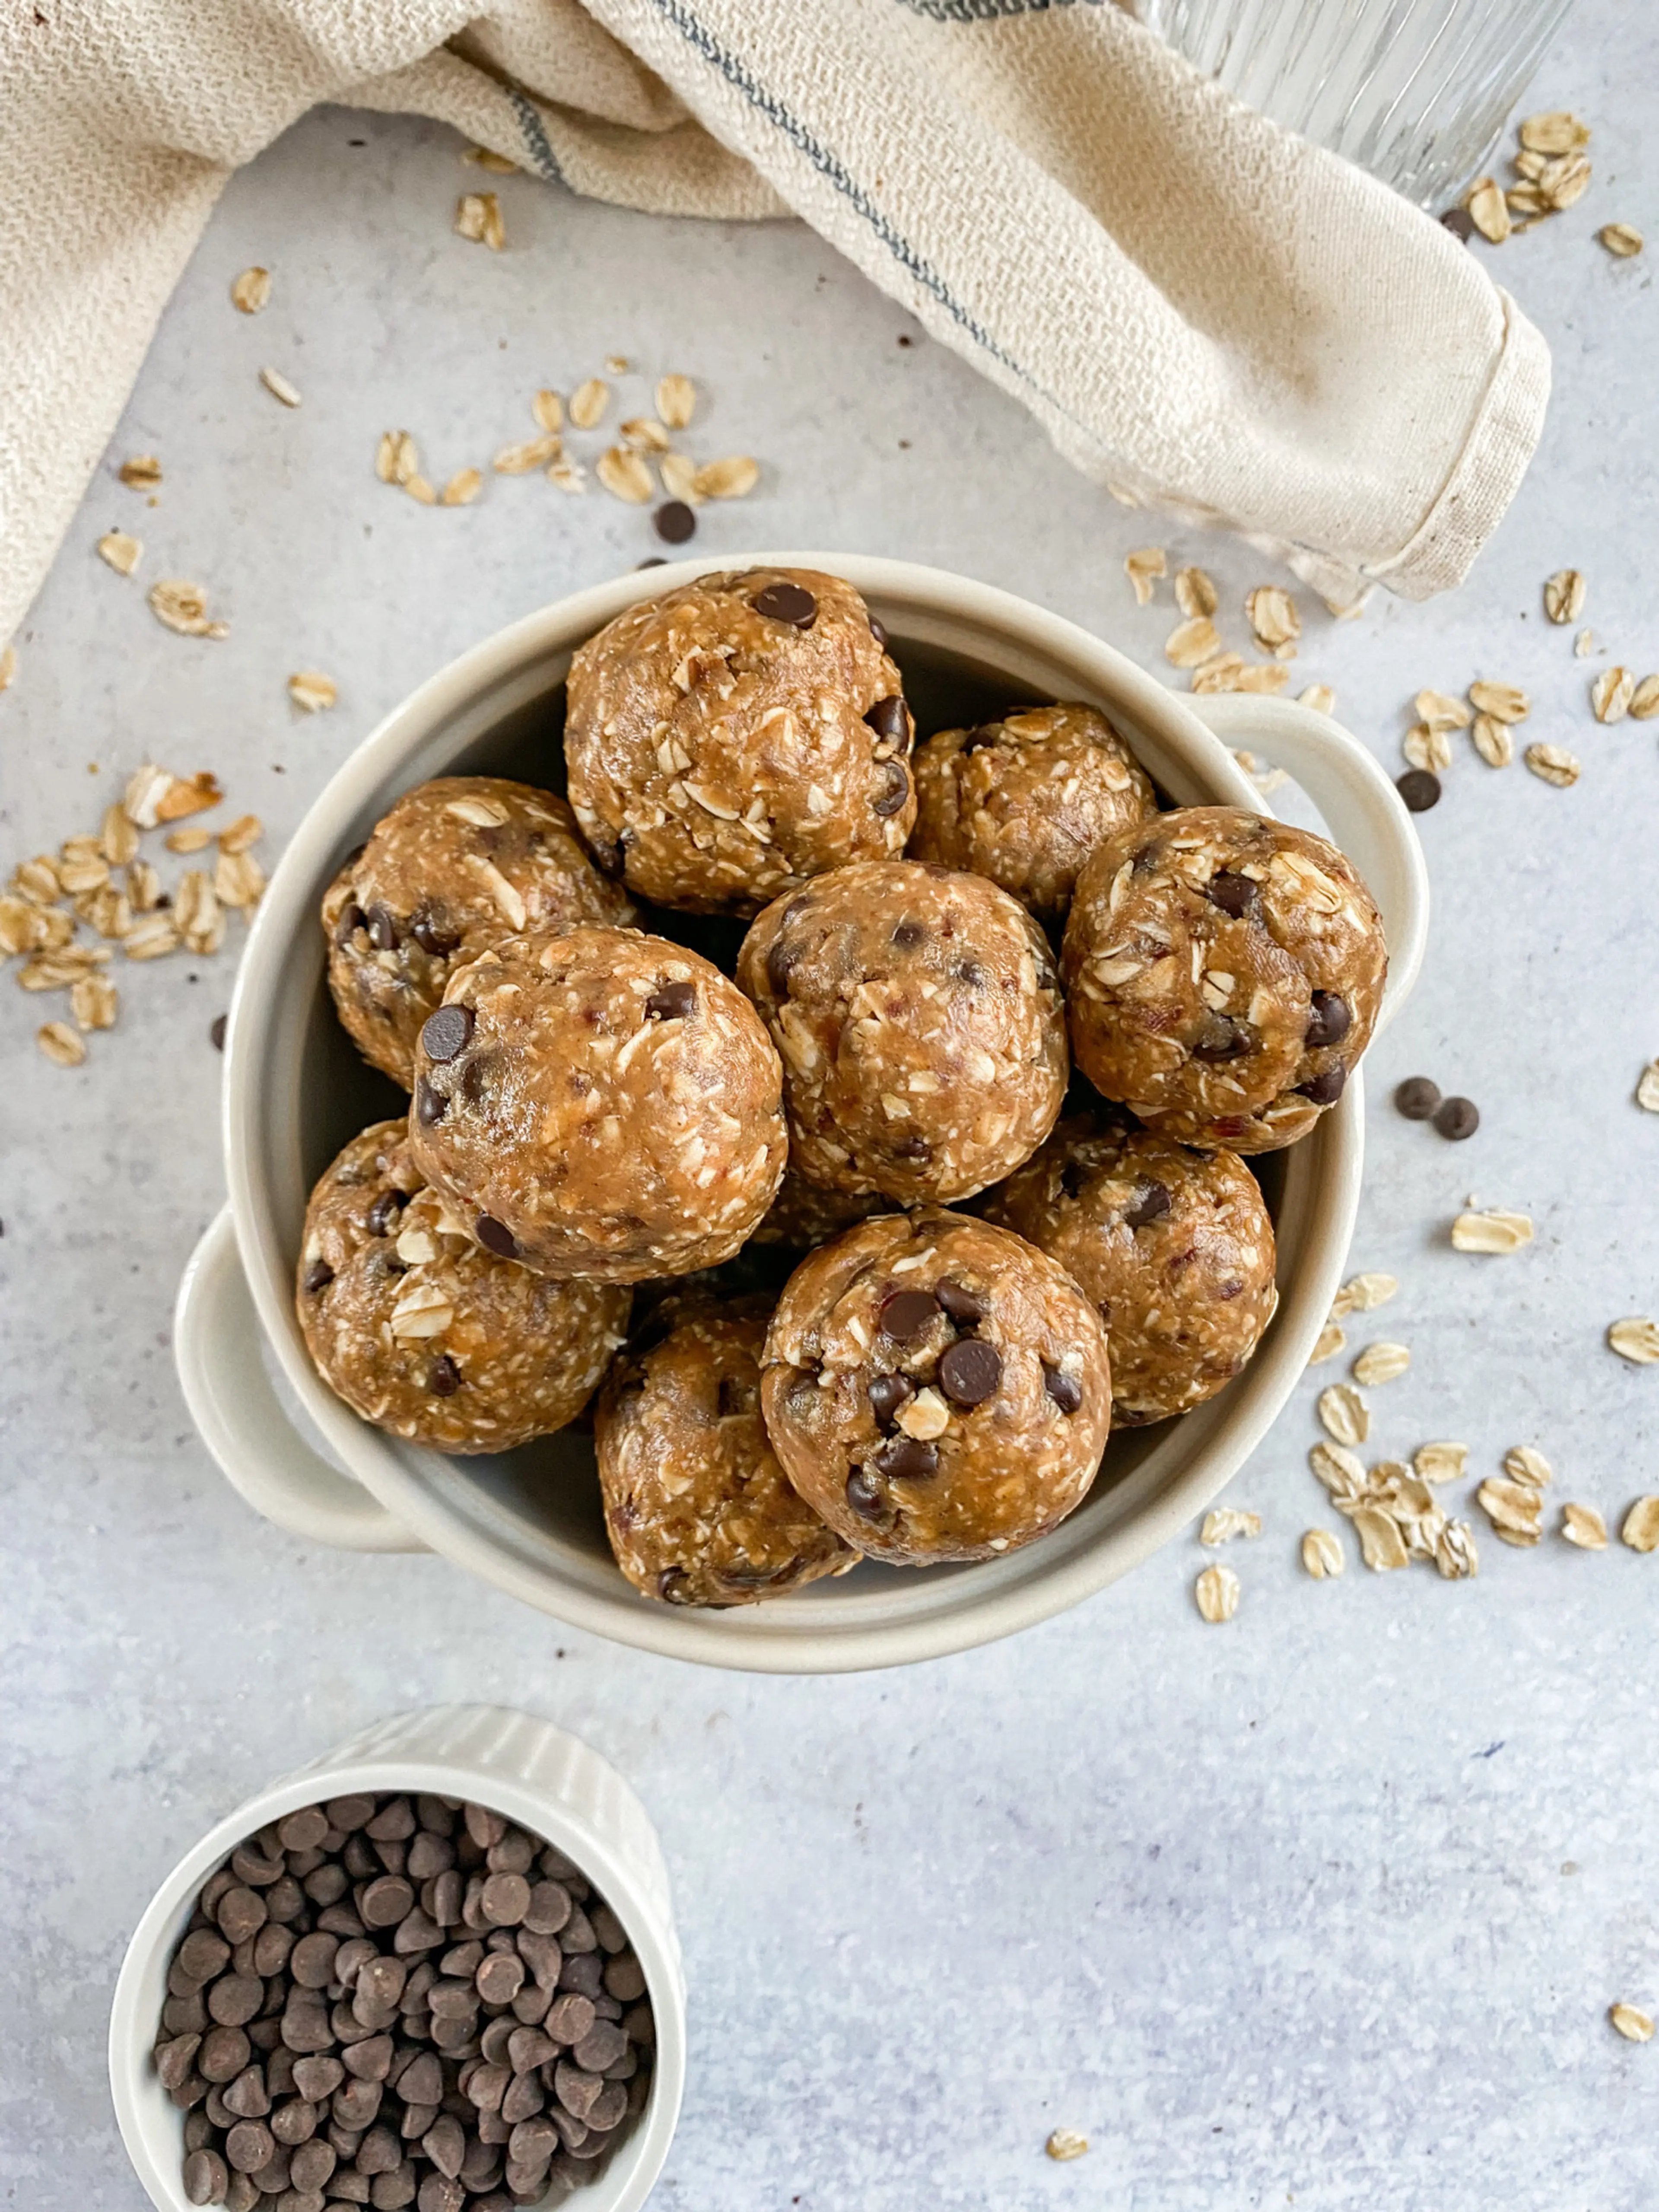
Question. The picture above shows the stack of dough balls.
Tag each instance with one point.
(966, 1293)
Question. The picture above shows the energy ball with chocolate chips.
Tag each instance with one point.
(936, 1388)
(919, 1020)
(423, 1334)
(737, 736)
(1175, 1247)
(454, 867)
(1025, 800)
(698, 1509)
(1223, 974)
(603, 1103)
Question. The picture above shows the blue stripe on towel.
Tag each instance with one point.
(535, 136)
(990, 11)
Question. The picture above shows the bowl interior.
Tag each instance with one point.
(531, 1518)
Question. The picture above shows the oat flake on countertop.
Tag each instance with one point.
(1216, 1594)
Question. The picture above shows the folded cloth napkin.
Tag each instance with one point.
(1203, 311)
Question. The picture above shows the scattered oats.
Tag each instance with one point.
(1381, 1363)
(55, 970)
(1143, 567)
(1515, 1509)
(151, 938)
(19, 923)
(676, 401)
(182, 607)
(479, 217)
(1264, 778)
(1611, 694)
(462, 489)
(421, 489)
(534, 453)
(1440, 1462)
(61, 1045)
(1343, 1414)
(1454, 1553)
(1493, 741)
(1583, 1526)
(1192, 642)
(1066, 2142)
(1216, 1589)
(1641, 1528)
(312, 691)
(1504, 702)
(251, 291)
(1489, 209)
(588, 403)
(1440, 711)
(644, 434)
(1329, 1341)
(486, 157)
(616, 363)
(1272, 614)
(1522, 1463)
(118, 840)
(1343, 1304)
(1647, 1090)
(94, 1001)
(36, 879)
(147, 787)
(548, 408)
(679, 479)
(1261, 676)
(8, 667)
(279, 387)
(143, 886)
(1553, 764)
(1644, 700)
(1220, 674)
(1636, 1339)
(239, 879)
(1622, 239)
(625, 475)
(107, 910)
(1558, 132)
(196, 911)
(566, 475)
(734, 477)
(1563, 596)
(141, 473)
(1426, 748)
(1584, 644)
(1633, 2024)
(1322, 1555)
(1195, 594)
(1364, 1293)
(1382, 1546)
(423, 1309)
(122, 553)
(1493, 1232)
(1340, 1472)
(1563, 180)
(247, 829)
(188, 840)
(83, 872)
(188, 794)
(396, 457)
(1223, 1522)
(1318, 696)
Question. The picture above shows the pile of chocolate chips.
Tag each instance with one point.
(397, 2001)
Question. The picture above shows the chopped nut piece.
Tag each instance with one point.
(1489, 211)
(1563, 596)
(94, 1001)
(1195, 594)
(1271, 613)
(251, 291)
(734, 477)
(122, 553)
(625, 475)
(1515, 1510)
(141, 473)
(1522, 1463)
(182, 607)
(548, 408)
(1643, 700)
(185, 795)
(1192, 642)
(1381, 1363)
(1641, 1528)
(1426, 748)
(312, 691)
(1583, 1526)
(1322, 1555)
(1493, 741)
(1490, 1232)
(279, 387)
(1611, 695)
(588, 403)
(1440, 711)
(1504, 702)
(1223, 1522)
(1553, 765)
(1440, 1462)
(1318, 696)
(61, 1045)
(534, 453)
(679, 479)
(1343, 1414)
(478, 218)
(462, 489)
(1633, 2024)
(1636, 1339)
(1066, 2142)
(1558, 132)
(1143, 567)
(1647, 1090)
(1216, 1592)
(1622, 239)
(676, 401)
(247, 829)
(1329, 1341)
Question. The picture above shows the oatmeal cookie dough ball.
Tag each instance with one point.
(456, 866)
(936, 1388)
(424, 1334)
(698, 1510)
(1174, 1248)
(1026, 799)
(602, 1103)
(920, 1021)
(805, 1214)
(737, 736)
(1223, 974)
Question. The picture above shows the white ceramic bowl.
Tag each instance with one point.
(529, 1522)
(534, 1773)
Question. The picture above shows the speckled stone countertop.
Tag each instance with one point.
(1322, 1907)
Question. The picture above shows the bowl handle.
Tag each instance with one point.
(1367, 817)
(216, 1343)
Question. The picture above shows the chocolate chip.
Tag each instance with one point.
(1455, 1118)
(862, 1495)
(780, 959)
(207, 2178)
(1420, 787)
(913, 1148)
(506, 1899)
(1237, 896)
(446, 1033)
(385, 1211)
(249, 2146)
(385, 1902)
(1220, 1038)
(674, 522)
(431, 934)
(671, 1002)
(311, 1962)
(318, 1277)
(1063, 1388)
(202, 1954)
(350, 921)
(1325, 1090)
(968, 1372)
(382, 926)
(969, 972)
(887, 1393)
(430, 1105)
(787, 603)
(1460, 223)
(1329, 1021)
(904, 1460)
(889, 718)
(1151, 1203)
(445, 1380)
(959, 1303)
(879, 633)
(496, 1236)
(240, 1913)
(317, 2076)
(216, 1032)
(1417, 1098)
(897, 789)
(904, 1314)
